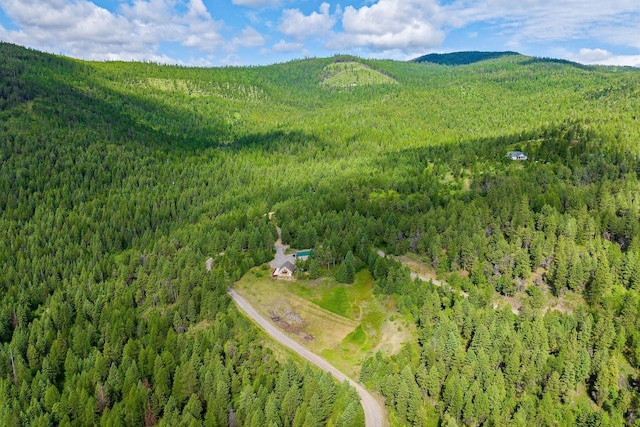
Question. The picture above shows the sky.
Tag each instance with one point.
(258, 32)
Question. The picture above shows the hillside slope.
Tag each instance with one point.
(118, 180)
(461, 58)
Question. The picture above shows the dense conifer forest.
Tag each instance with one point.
(118, 180)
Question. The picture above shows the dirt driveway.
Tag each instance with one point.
(281, 258)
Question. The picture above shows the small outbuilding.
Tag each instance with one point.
(303, 255)
(285, 271)
(517, 155)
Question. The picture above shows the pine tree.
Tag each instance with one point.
(348, 416)
(434, 381)
(350, 266)
(346, 270)
(413, 394)
(568, 381)
(135, 403)
(272, 410)
(601, 282)
(290, 403)
(184, 382)
(314, 267)
(576, 278)
(523, 267)
(632, 270)
(402, 398)
(193, 407)
(560, 268)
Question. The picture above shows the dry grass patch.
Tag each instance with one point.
(349, 74)
(365, 324)
(416, 265)
(275, 298)
(393, 334)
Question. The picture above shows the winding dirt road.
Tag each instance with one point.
(374, 414)
(436, 282)
(515, 306)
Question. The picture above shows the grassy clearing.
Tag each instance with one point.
(195, 88)
(347, 74)
(346, 321)
(345, 300)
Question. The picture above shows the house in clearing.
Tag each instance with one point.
(517, 155)
(285, 271)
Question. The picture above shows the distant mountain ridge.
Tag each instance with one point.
(461, 58)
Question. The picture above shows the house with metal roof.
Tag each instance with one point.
(517, 155)
(285, 271)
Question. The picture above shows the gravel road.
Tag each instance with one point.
(436, 282)
(280, 257)
(374, 414)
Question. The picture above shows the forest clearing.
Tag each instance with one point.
(545, 299)
(374, 415)
(346, 322)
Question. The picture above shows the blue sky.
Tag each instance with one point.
(254, 32)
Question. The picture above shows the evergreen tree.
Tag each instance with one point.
(314, 267)
(601, 281)
(346, 270)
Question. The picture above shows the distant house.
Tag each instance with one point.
(517, 155)
(285, 271)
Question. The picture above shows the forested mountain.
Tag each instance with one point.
(461, 58)
(118, 180)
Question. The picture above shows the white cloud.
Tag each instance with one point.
(151, 11)
(545, 21)
(593, 55)
(46, 21)
(142, 29)
(622, 60)
(603, 57)
(198, 9)
(202, 31)
(253, 16)
(419, 25)
(283, 46)
(82, 29)
(297, 25)
(391, 24)
(249, 37)
(232, 60)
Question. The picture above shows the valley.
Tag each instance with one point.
(133, 196)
